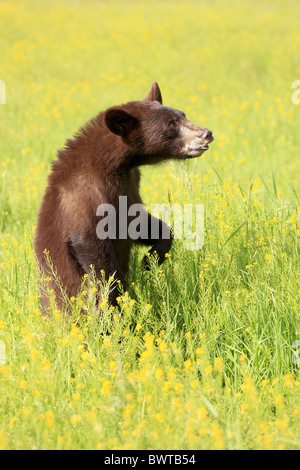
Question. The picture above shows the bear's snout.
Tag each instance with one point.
(207, 136)
(195, 139)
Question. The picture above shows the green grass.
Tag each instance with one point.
(199, 352)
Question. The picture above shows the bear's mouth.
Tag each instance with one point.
(196, 151)
(204, 147)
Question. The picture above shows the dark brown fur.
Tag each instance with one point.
(97, 166)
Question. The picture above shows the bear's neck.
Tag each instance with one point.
(96, 148)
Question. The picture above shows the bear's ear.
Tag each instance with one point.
(154, 94)
(119, 121)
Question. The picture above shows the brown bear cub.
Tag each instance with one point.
(95, 168)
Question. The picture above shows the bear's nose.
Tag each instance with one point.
(207, 135)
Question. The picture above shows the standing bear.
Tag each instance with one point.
(97, 166)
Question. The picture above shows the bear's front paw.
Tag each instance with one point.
(150, 258)
(146, 262)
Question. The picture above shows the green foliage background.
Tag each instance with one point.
(199, 354)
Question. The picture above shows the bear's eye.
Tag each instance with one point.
(172, 123)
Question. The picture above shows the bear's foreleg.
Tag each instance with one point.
(159, 236)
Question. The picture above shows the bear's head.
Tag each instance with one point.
(154, 132)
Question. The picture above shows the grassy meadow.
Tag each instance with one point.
(199, 353)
